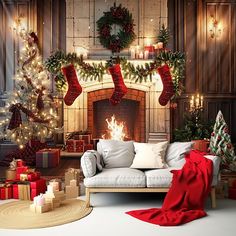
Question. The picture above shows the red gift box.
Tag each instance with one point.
(73, 145)
(21, 191)
(47, 158)
(86, 137)
(88, 147)
(20, 170)
(37, 187)
(15, 191)
(201, 145)
(20, 163)
(30, 176)
(6, 192)
(232, 193)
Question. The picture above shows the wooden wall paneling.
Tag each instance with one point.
(224, 65)
(233, 47)
(209, 79)
(2, 54)
(191, 83)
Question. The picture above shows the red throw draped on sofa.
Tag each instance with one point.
(185, 199)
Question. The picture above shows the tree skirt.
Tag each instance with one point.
(17, 215)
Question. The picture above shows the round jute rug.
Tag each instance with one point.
(17, 215)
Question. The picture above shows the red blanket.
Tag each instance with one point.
(185, 199)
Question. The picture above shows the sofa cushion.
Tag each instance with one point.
(163, 177)
(116, 153)
(158, 177)
(117, 177)
(149, 155)
(90, 162)
(175, 153)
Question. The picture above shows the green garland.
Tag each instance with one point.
(119, 16)
(139, 73)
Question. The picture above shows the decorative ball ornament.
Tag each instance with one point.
(116, 16)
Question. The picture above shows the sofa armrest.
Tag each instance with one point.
(90, 162)
(216, 163)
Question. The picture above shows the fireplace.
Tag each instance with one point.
(146, 119)
(131, 111)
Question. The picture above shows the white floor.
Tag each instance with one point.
(108, 218)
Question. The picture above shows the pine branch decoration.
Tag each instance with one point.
(164, 35)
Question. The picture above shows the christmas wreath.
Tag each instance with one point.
(116, 16)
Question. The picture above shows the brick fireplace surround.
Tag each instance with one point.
(132, 113)
(150, 124)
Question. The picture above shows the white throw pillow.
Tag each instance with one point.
(149, 156)
(116, 153)
(175, 153)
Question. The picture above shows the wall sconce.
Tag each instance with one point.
(215, 28)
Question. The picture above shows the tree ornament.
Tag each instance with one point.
(120, 89)
(116, 16)
(35, 38)
(74, 87)
(15, 120)
(168, 86)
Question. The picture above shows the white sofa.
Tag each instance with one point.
(105, 172)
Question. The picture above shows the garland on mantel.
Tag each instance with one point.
(137, 73)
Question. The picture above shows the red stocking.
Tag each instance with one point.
(168, 86)
(74, 88)
(120, 89)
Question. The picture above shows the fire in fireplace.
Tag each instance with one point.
(115, 130)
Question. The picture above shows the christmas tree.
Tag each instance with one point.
(220, 143)
(30, 110)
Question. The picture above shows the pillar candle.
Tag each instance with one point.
(146, 53)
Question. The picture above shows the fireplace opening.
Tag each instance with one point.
(130, 110)
(126, 112)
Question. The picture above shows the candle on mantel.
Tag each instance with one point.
(137, 51)
(160, 45)
(140, 56)
(146, 54)
(132, 53)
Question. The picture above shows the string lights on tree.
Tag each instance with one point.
(30, 110)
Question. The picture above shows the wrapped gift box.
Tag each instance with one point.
(37, 187)
(72, 192)
(86, 137)
(6, 192)
(21, 191)
(201, 145)
(10, 174)
(19, 163)
(41, 209)
(56, 184)
(88, 147)
(47, 158)
(20, 170)
(73, 145)
(30, 176)
(71, 174)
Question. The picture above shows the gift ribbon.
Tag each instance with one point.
(45, 159)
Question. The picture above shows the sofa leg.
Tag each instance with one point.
(213, 197)
(87, 198)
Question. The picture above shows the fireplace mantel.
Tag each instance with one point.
(157, 117)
